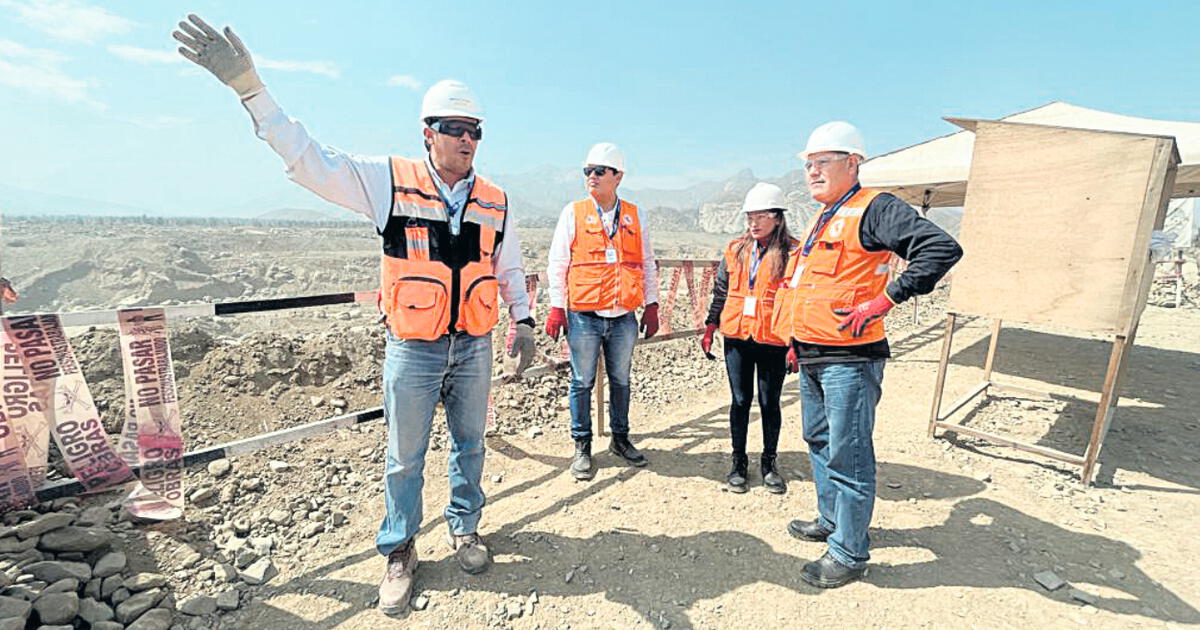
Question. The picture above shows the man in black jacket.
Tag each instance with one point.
(836, 289)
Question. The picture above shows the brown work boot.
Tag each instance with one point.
(473, 556)
(397, 584)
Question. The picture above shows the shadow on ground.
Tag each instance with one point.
(1160, 440)
(983, 544)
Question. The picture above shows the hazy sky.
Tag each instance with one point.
(94, 102)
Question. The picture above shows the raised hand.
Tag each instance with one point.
(223, 55)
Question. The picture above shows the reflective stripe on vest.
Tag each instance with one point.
(425, 298)
(605, 272)
(837, 274)
(738, 319)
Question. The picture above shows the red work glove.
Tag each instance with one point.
(793, 361)
(556, 322)
(858, 318)
(707, 339)
(650, 320)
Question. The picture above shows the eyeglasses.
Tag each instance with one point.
(599, 171)
(821, 163)
(761, 215)
(457, 128)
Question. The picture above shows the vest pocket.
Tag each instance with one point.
(479, 311)
(731, 316)
(782, 314)
(585, 287)
(818, 323)
(631, 245)
(764, 316)
(420, 308)
(824, 257)
(633, 286)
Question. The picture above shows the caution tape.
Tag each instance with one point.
(60, 389)
(152, 438)
(23, 413)
(43, 394)
(17, 403)
(668, 304)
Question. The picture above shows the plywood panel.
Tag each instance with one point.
(1153, 216)
(1054, 228)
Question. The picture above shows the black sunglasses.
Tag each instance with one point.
(457, 128)
(598, 170)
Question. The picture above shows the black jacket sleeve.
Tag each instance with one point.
(890, 224)
(720, 290)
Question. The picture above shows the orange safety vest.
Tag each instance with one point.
(748, 311)
(838, 273)
(606, 272)
(433, 282)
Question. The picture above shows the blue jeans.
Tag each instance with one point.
(587, 333)
(455, 369)
(838, 406)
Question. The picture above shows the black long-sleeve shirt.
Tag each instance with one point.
(888, 224)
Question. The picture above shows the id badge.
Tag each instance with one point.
(748, 305)
(610, 256)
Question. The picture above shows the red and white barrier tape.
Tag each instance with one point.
(152, 438)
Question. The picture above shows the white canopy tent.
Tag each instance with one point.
(934, 173)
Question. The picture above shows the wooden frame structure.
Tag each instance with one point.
(1027, 183)
(1104, 411)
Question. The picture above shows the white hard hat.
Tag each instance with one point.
(448, 98)
(606, 154)
(764, 196)
(834, 136)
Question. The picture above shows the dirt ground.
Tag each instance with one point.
(959, 531)
(960, 527)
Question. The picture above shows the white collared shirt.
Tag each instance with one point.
(455, 197)
(364, 184)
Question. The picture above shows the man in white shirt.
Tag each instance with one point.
(449, 249)
(601, 269)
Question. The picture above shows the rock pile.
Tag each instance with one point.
(66, 567)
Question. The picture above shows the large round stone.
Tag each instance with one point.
(57, 608)
(51, 571)
(71, 538)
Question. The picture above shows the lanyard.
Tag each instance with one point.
(453, 212)
(616, 218)
(756, 260)
(825, 217)
(444, 192)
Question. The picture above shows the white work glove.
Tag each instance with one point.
(226, 57)
(1160, 245)
(523, 347)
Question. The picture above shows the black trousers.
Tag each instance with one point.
(746, 362)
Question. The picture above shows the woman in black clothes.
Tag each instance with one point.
(741, 308)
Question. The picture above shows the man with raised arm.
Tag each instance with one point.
(449, 251)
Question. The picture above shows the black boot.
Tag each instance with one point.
(623, 448)
(774, 481)
(736, 479)
(812, 531)
(581, 464)
(826, 572)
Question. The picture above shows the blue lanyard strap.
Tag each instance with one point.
(616, 218)
(756, 260)
(824, 219)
